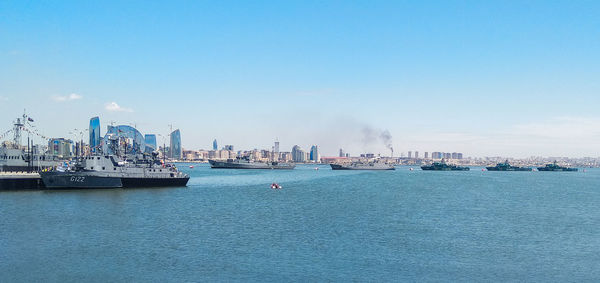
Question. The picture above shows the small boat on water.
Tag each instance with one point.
(276, 186)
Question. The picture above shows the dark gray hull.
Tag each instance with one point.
(154, 182)
(251, 165)
(361, 167)
(81, 180)
(77, 180)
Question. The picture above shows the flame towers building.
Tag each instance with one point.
(150, 143)
(175, 150)
(94, 131)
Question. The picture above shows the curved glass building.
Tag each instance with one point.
(131, 140)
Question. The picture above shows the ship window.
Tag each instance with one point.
(98, 157)
(103, 168)
(160, 170)
(92, 167)
(115, 169)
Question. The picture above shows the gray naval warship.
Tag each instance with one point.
(246, 163)
(17, 158)
(363, 166)
(110, 171)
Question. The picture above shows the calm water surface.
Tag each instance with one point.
(324, 225)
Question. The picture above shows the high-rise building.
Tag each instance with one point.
(409, 154)
(342, 153)
(150, 140)
(298, 154)
(95, 134)
(60, 147)
(276, 147)
(215, 145)
(459, 155)
(314, 153)
(228, 147)
(416, 155)
(455, 155)
(426, 155)
(175, 151)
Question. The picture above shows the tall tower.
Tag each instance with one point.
(276, 147)
(215, 146)
(175, 150)
(94, 133)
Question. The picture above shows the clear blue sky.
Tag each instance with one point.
(510, 78)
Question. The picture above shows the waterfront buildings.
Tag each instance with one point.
(175, 152)
(60, 147)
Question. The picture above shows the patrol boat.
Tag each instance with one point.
(363, 166)
(443, 166)
(110, 171)
(246, 163)
(556, 167)
(507, 167)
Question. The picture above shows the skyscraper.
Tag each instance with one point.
(314, 153)
(175, 151)
(150, 140)
(276, 147)
(416, 155)
(426, 155)
(409, 154)
(215, 146)
(94, 134)
(342, 153)
(298, 154)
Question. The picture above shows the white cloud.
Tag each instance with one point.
(114, 107)
(61, 98)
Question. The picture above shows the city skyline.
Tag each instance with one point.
(486, 79)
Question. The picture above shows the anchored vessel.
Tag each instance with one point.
(246, 163)
(507, 167)
(556, 167)
(109, 172)
(363, 166)
(17, 158)
(442, 166)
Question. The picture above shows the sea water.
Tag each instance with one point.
(324, 225)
